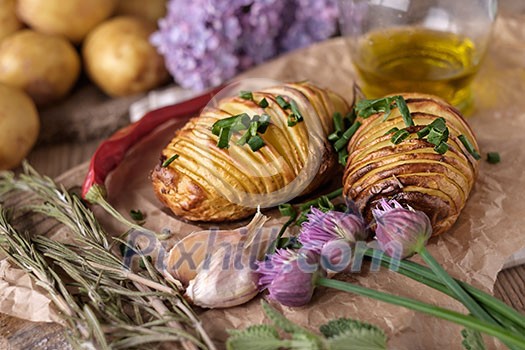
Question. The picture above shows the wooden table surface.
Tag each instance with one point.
(53, 160)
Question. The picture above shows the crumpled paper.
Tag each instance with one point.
(489, 230)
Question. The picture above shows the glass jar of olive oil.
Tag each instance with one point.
(429, 46)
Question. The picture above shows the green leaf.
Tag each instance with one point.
(472, 340)
(258, 337)
(345, 333)
(280, 321)
(305, 342)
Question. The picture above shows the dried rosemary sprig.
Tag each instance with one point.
(108, 304)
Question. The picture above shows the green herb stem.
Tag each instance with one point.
(445, 314)
(314, 202)
(347, 135)
(414, 269)
(454, 286)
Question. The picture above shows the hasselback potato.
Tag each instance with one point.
(412, 171)
(209, 183)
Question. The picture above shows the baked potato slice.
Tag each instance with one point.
(412, 172)
(208, 183)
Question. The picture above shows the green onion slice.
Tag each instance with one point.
(246, 95)
(469, 147)
(399, 136)
(170, 160)
(493, 157)
(255, 143)
(347, 135)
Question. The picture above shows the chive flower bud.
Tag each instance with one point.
(289, 276)
(400, 231)
(321, 228)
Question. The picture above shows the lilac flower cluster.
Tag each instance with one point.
(205, 42)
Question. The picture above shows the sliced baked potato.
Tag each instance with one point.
(412, 172)
(209, 183)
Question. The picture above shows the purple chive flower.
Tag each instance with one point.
(400, 231)
(322, 228)
(206, 42)
(289, 276)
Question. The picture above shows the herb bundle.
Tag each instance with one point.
(103, 302)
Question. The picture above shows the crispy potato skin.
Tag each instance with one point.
(412, 172)
(193, 186)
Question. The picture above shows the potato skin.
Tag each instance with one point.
(9, 22)
(73, 19)
(19, 126)
(45, 66)
(119, 58)
(412, 172)
(194, 185)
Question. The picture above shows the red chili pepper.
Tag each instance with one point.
(113, 150)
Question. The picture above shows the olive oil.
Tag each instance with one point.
(417, 60)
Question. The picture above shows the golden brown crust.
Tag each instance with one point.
(412, 172)
(207, 183)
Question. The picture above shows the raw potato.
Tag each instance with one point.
(9, 22)
(19, 126)
(119, 58)
(412, 172)
(45, 66)
(151, 10)
(70, 18)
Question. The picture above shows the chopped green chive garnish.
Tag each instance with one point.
(366, 108)
(244, 138)
(295, 110)
(336, 135)
(394, 129)
(136, 215)
(469, 147)
(264, 122)
(339, 124)
(282, 102)
(403, 109)
(399, 136)
(436, 136)
(224, 138)
(493, 157)
(170, 160)
(292, 120)
(287, 210)
(342, 156)
(255, 143)
(423, 132)
(442, 148)
(224, 129)
(263, 103)
(247, 95)
(235, 123)
(347, 135)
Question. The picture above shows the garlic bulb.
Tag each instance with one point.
(218, 267)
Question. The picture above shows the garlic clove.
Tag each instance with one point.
(223, 283)
(184, 259)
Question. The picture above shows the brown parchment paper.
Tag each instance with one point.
(489, 230)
